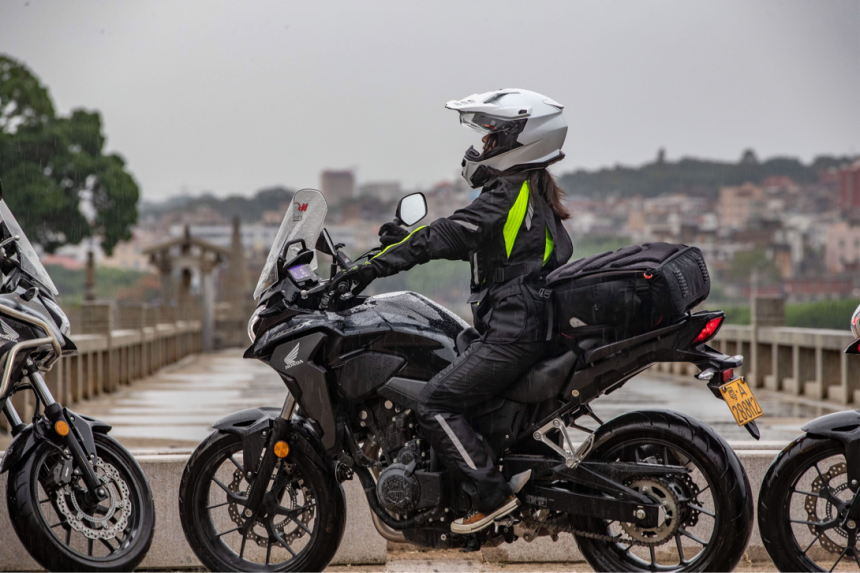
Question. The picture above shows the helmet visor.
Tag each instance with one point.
(484, 124)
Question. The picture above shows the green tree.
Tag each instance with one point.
(50, 163)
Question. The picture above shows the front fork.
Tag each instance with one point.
(258, 493)
(75, 436)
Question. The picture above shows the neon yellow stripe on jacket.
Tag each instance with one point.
(515, 218)
(547, 250)
(399, 243)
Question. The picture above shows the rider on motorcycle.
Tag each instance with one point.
(512, 235)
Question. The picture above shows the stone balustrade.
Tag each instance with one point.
(109, 357)
(798, 361)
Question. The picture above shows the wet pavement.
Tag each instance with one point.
(174, 408)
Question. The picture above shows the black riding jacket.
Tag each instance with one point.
(512, 239)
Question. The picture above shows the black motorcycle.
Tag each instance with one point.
(649, 490)
(808, 508)
(77, 499)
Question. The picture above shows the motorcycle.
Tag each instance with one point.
(649, 489)
(77, 500)
(808, 508)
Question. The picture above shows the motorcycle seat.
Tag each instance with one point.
(543, 381)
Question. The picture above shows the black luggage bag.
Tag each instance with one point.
(616, 295)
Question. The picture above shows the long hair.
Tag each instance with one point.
(543, 181)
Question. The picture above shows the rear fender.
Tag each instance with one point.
(252, 424)
(28, 438)
(843, 427)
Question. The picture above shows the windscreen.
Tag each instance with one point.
(30, 263)
(304, 220)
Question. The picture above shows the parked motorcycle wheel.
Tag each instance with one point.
(303, 536)
(806, 484)
(707, 516)
(63, 531)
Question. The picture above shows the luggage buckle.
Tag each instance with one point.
(648, 275)
(545, 292)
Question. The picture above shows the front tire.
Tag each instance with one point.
(708, 518)
(806, 483)
(304, 536)
(62, 531)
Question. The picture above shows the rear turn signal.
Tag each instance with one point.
(282, 449)
(709, 330)
(61, 428)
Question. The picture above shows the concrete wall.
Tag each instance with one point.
(361, 543)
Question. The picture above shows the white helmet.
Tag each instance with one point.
(529, 130)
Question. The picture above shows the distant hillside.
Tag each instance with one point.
(692, 176)
(249, 209)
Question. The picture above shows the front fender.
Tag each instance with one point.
(843, 427)
(29, 438)
(250, 424)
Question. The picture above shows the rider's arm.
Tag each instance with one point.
(451, 238)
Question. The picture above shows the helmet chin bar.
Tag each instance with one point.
(477, 174)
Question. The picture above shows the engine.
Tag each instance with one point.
(399, 487)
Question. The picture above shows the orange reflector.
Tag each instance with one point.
(61, 428)
(282, 449)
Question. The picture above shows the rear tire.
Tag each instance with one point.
(208, 532)
(648, 437)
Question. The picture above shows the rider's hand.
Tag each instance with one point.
(357, 278)
(391, 233)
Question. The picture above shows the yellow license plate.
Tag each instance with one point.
(741, 401)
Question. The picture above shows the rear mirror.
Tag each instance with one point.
(323, 244)
(412, 209)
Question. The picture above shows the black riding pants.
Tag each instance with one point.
(481, 372)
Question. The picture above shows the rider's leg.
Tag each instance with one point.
(478, 374)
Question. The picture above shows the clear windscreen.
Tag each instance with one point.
(27, 256)
(304, 220)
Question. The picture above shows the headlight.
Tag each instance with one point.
(65, 326)
(255, 318)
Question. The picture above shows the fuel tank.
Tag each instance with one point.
(402, 333)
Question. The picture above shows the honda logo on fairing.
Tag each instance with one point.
(290, 360)
(7, 333)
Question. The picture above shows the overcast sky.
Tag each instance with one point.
(234, 96)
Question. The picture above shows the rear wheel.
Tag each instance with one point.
(707, 515)
(301, 533)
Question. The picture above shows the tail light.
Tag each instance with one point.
(710, 329)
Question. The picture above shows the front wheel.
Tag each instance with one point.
(62, 529)
(300, 532)
(707, 514)
(804, 497)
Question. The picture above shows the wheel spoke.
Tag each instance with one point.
(68, 535)
(281, 510)
(665, 456)
(822, 524)
(90, 547)
(218, 505)
(801, 492)
(686, 533)
(41, 501)
(701, 491)
(231, 495)
(299, 523)
(283, 542)
(268, 552)
(56, 525)
(680, 549)
(229, 531)
(841, 555)
(110, 547)
(235, 463)
(653, 558)
(701, 510)
(244, 538)
(808, 547)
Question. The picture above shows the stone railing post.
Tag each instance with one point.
(98, 318)
(765, 312)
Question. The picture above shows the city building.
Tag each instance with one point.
(849, 189)
(385, 191)
(738, 205)
(337, 185)
(843, 247)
